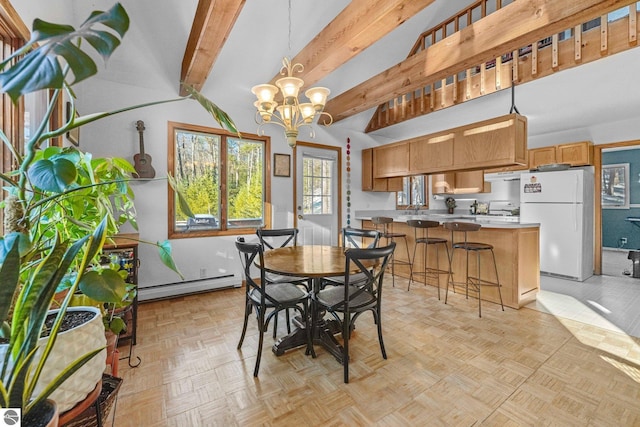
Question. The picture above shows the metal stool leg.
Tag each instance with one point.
(413, 262)
(495, 265)
(450, 276)
(479, 284)
(409, 261)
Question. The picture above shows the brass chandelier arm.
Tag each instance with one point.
(290, 113)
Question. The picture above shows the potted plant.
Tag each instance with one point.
(451, 204)
(44, 244)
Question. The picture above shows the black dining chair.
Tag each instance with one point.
(280, 238)
(268, 299)
(346, 303)
(354, 238)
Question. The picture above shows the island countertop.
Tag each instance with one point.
(516, 247)
(487, 221)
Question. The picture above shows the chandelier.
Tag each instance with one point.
(290, 113)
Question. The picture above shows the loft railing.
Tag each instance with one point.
(618, 31)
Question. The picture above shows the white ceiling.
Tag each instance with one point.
(570, 103)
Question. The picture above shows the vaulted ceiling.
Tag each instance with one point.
(363, 23)
(359, 50)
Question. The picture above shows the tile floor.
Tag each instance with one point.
(610, 301)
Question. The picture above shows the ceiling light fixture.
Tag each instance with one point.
(290, 113)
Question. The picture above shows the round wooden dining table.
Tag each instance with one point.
(314, 262)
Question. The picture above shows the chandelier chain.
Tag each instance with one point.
(290, 113)
(289, 35)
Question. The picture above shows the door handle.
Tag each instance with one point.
(300, 216)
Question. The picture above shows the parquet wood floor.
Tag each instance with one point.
(445, 367)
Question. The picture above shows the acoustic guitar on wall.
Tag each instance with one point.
(142, 161)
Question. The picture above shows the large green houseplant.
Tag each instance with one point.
(51, 235)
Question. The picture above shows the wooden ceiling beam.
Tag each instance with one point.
(360, 24)
(512, 27)
(211, 26)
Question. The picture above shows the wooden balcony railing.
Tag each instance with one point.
(618, 31)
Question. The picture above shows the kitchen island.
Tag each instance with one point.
(516, 246)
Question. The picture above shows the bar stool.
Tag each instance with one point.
(475, 282)
(384, 225)
(422, 238)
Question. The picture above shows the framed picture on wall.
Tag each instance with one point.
(615, 186)
(281, 164)
(74, 134)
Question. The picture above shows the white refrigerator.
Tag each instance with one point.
(562, 202)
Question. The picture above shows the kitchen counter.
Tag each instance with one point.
(488, 221)
(516, 247)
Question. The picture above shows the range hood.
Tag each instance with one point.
(503, 176)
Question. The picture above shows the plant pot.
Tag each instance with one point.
(450, 210)
(44, 414)
(71, 345)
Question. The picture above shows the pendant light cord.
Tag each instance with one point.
(513, 92)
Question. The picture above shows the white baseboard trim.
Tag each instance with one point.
(189, 287)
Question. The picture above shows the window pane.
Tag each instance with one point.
(245, 182)
(222, 179)
(197, 173)
(35, 109)
(317, 181)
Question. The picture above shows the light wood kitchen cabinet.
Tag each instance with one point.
(391, 160)
(498, 142)
(575, 154)
(501, 141)
(433, 153)
(394, 184)
(468, 182)
(369, 183)
(541, 156)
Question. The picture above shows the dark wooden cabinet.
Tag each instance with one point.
(124, 251)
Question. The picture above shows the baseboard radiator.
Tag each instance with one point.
(186, 287)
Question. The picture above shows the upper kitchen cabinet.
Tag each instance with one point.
(541, 156)
(369, 183)
(497, 142)
(391, 160)
(575, 154)
(432, 153)
(467, 182)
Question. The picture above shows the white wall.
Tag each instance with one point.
(118, 136)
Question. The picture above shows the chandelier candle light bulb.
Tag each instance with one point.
(290, 114)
